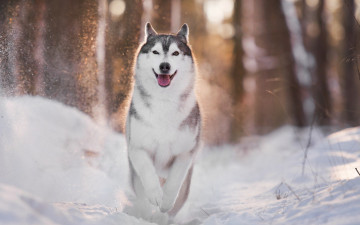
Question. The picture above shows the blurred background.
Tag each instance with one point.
(262, 64)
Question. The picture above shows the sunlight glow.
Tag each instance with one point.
(117, 7)
(312, 29)
(346, 172)
(357, 10)
(226, 30)
(333, 5)
(337, 31)
(217, 11)
(312, 3)
(345, 159)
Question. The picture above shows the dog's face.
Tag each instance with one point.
(165, 61)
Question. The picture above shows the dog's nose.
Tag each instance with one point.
(165, 67)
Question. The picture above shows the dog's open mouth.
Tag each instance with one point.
(164, 80)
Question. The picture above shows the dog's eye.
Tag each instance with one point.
(155, 52)
(175, 53)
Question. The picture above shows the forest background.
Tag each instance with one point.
(262, 64)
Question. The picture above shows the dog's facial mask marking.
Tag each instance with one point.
(165, 50)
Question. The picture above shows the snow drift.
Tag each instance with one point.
(59, 167)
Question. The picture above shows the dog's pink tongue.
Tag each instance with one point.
(163, 80)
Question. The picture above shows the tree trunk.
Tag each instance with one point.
(70, 75)
(237, 73)
(175, 15)
(278, 94)
(39, 47)
(7, 15)
(124, 55)
(27, 41)
(3, 46)
(300, 66)
(161, 15)
(16, 53)
(320, 86)
(101, 106)
(350, 80)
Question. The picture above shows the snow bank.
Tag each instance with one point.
(19, 208)
(58, 167)
(60, 154)
(267, 186)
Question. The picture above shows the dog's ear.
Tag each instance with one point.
(183, 33)
(149, 30)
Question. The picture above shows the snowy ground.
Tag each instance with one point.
(58, 167)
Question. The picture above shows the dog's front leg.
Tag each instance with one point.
(144, 168)
(175, 179)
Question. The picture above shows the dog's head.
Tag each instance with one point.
(165, 60)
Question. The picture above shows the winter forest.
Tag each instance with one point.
(278, 84)
(262, 64)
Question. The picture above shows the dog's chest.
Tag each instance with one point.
(159, 131)
(161, 126)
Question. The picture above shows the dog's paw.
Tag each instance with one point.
(155, 196)
(160, 218)
(167, 204)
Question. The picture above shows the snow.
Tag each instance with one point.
(57, 166)
(266, 186)
(43, 151)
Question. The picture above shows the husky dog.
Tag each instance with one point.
(163, 122)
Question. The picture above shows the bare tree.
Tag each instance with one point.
(17, 52)
(39, 47)
(278, 94)
(175, 15)
(7, 82)
(123, 49)
(299, 80)
(238, 72)
(3, 16)
(27, 40)
(101, 107)
(320, 85)
(161, 15)
(350, 79)
(70, 73)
